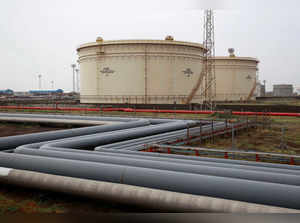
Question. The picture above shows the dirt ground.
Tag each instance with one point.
(280, 135)
(21, 200)
(11, 129)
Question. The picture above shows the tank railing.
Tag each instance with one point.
(57, 108)
(180, 99)
(227, 128)
(174, 149)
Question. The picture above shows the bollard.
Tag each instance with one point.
(226, 155)
(188, 135)
(200, 142)
(247, 125)
(212, 131)
(292, 162)
(232, 137)
(257, 158)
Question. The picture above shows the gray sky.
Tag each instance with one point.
(41, 36)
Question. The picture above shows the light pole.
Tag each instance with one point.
(52, 85)
(40, 81)
(77, 79)
(73, 67)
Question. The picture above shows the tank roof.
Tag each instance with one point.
(237, 58)
(283, 85)
(125, 42)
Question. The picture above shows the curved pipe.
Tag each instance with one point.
(92, 141)
(12, 142)
(132, 195)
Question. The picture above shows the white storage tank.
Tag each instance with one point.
(235, 77)
(139, 71)
(157, 72)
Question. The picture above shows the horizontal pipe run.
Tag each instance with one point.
(287, 196)
(125, 153)
(119, 160)
(148, 111)
(213, 160)
(179, 167)
(133, 195)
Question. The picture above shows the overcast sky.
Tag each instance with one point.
(41, 36)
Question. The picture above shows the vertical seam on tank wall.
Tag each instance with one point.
(98, 71)
(145, 75)
(174, 79)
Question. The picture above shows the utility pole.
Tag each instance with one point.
(40, 81)
(77, 80)
(73, 67)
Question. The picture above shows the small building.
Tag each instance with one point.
(6, 92)
(46, 92)
(298, 90)
(283, 90)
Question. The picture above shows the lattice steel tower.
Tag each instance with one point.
(207, 78)
(209, 86)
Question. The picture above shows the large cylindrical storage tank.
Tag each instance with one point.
(235, 78)
(139, 71)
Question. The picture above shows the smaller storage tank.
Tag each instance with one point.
(235, 77)
(283, 90)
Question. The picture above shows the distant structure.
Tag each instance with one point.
(260, 88)
(283, 90)
(264, 89)
(6, 92)
(46, 92)
(298, 90)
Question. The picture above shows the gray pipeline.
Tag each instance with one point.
(288, 179)
(93, 140)
(132, 195)
(113, 155)
(11, 142)
(220, 187)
